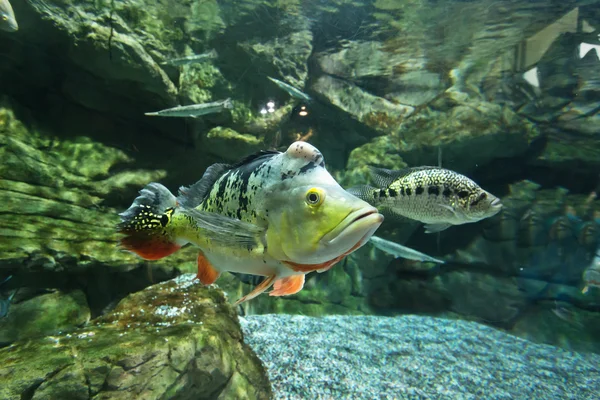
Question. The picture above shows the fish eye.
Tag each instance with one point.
(315, 197)
(4, 18)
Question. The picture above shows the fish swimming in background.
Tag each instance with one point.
(400, 251)
(5, 303)
(292, 91)
(193, 59)
(591, 276)
(8, 22)
(194, 110)
(275, 214)
(436, 196)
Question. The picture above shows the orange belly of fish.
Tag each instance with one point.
(322, 267)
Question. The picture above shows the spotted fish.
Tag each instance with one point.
(436, 196)
(276, 214)
(8, 22)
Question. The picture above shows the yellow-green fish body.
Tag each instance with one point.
(275, 214)
(435, 196)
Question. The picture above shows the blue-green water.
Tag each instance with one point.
(101, 98)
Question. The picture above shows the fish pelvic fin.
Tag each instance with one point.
(433, 228)
(146, 223)
(287, 286)
(206, 272)
(264, 285)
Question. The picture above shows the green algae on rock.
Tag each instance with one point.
(54, 189)
(231, 145)
(459, 126)
(176, 340)
(44, 315)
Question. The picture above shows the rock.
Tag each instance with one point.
(459, 125)
(231, 145)
(561, 324)
(54, 189)
(375, 112)
(411, 357)
(175, 340)
(44, 315)
(287, 56)
(399, 74)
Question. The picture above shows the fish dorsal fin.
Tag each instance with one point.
(255, 156)
(384, 177)
(192, 196)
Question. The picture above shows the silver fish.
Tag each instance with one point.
(292, 91)
(400, 251)
(8, 22)
(436, 196)
(193, 59)
(591, 278)
(5, 303)
(194, 110)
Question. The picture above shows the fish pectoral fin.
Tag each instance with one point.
(225, 230)
(286, 286)
(264, 285)
(433, 228)
(206, 272)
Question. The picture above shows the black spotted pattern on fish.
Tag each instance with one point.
(308, 167)
(479, 198)
(233, 186)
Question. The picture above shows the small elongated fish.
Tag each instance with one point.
(194, 110)
(5, 303)
(400, 251)
(436, 196)
(292, 91)
(193, 59)
(8, 22)
(591, 278)
(279, 215)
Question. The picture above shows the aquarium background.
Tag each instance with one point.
(506, 92)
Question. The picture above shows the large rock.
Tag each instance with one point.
(44, 315)
(375, 112)
(412, 357)
(457, 124)
(176, 340)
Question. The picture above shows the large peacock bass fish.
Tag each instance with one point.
(275, 214)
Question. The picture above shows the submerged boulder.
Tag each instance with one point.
(176, 340)
(44, 315)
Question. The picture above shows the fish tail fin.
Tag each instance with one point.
(147, 224)
(363, 192)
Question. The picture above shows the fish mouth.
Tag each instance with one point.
(495, 206)
(357, 227)
(10, 27)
